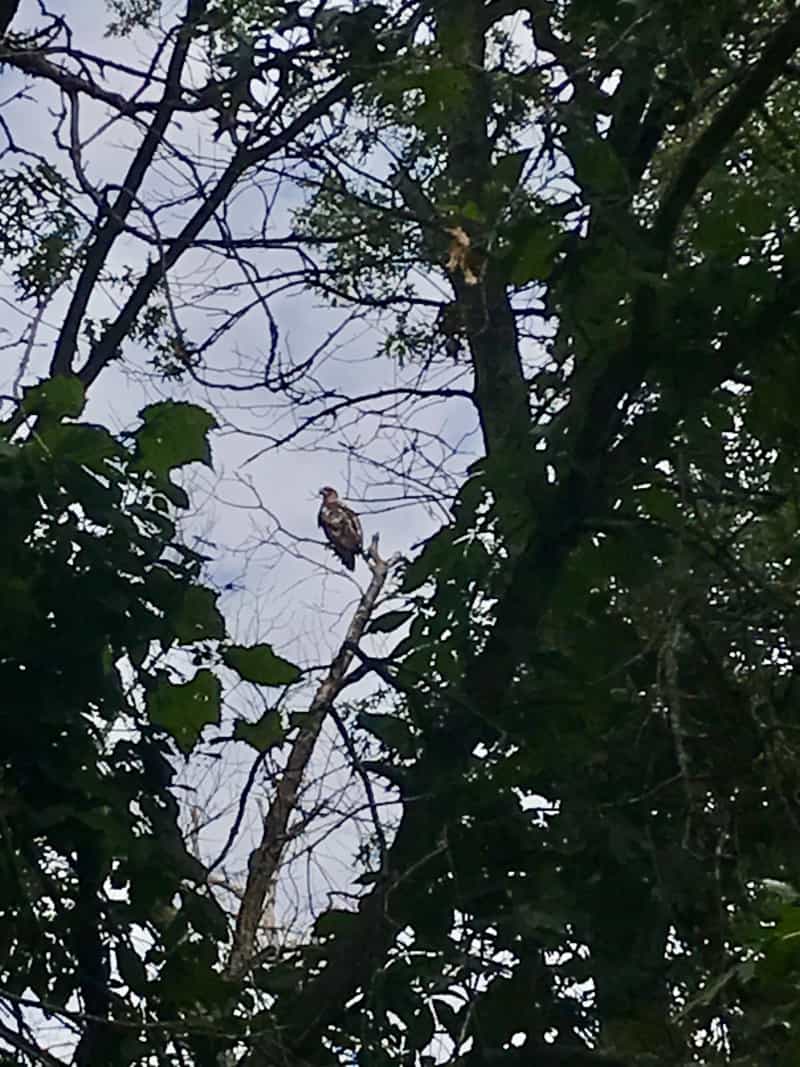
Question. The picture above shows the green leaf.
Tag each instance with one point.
(137, 652)
(533, 250)
(421, 1026)
(205, 914)
(508, 169)
(436, 555)
(282, 978)
(755, 212)
(174, 493)
(198, 618)
(445, 90)
(472, 211)
(718, 231)
(391, 620)
(391, 731)
(58, 397)
(173, 434)
(259, 664)
(183, 710)
(337, 921)
(131, 968)
(91, 446)
(597, 165)
(368, 878)
(262, 735)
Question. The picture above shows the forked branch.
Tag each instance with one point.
(266, 858)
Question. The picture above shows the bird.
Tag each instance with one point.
(341, 527)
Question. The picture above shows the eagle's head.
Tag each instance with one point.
(328, 494)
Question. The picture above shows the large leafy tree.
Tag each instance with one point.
(582, 218)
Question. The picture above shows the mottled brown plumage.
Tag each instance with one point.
(341, 526)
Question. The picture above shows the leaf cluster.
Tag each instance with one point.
(101, 900)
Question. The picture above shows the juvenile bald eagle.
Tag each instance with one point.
(341, 526)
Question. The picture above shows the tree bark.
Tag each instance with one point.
(266, 858)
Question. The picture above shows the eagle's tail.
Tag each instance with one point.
(348, 558)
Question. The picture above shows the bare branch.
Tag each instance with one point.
(22, 1045)
(114, 223)
(108, 345)
(32, 61)
(265, 860)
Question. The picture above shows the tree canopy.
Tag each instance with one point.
(547, 261)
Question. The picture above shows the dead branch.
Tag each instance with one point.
(265, 859)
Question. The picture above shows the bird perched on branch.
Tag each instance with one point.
(341, 526)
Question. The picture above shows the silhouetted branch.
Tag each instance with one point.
(266, 858)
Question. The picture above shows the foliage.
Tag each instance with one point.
(100, 897)
(39, 228)
(583, 218)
